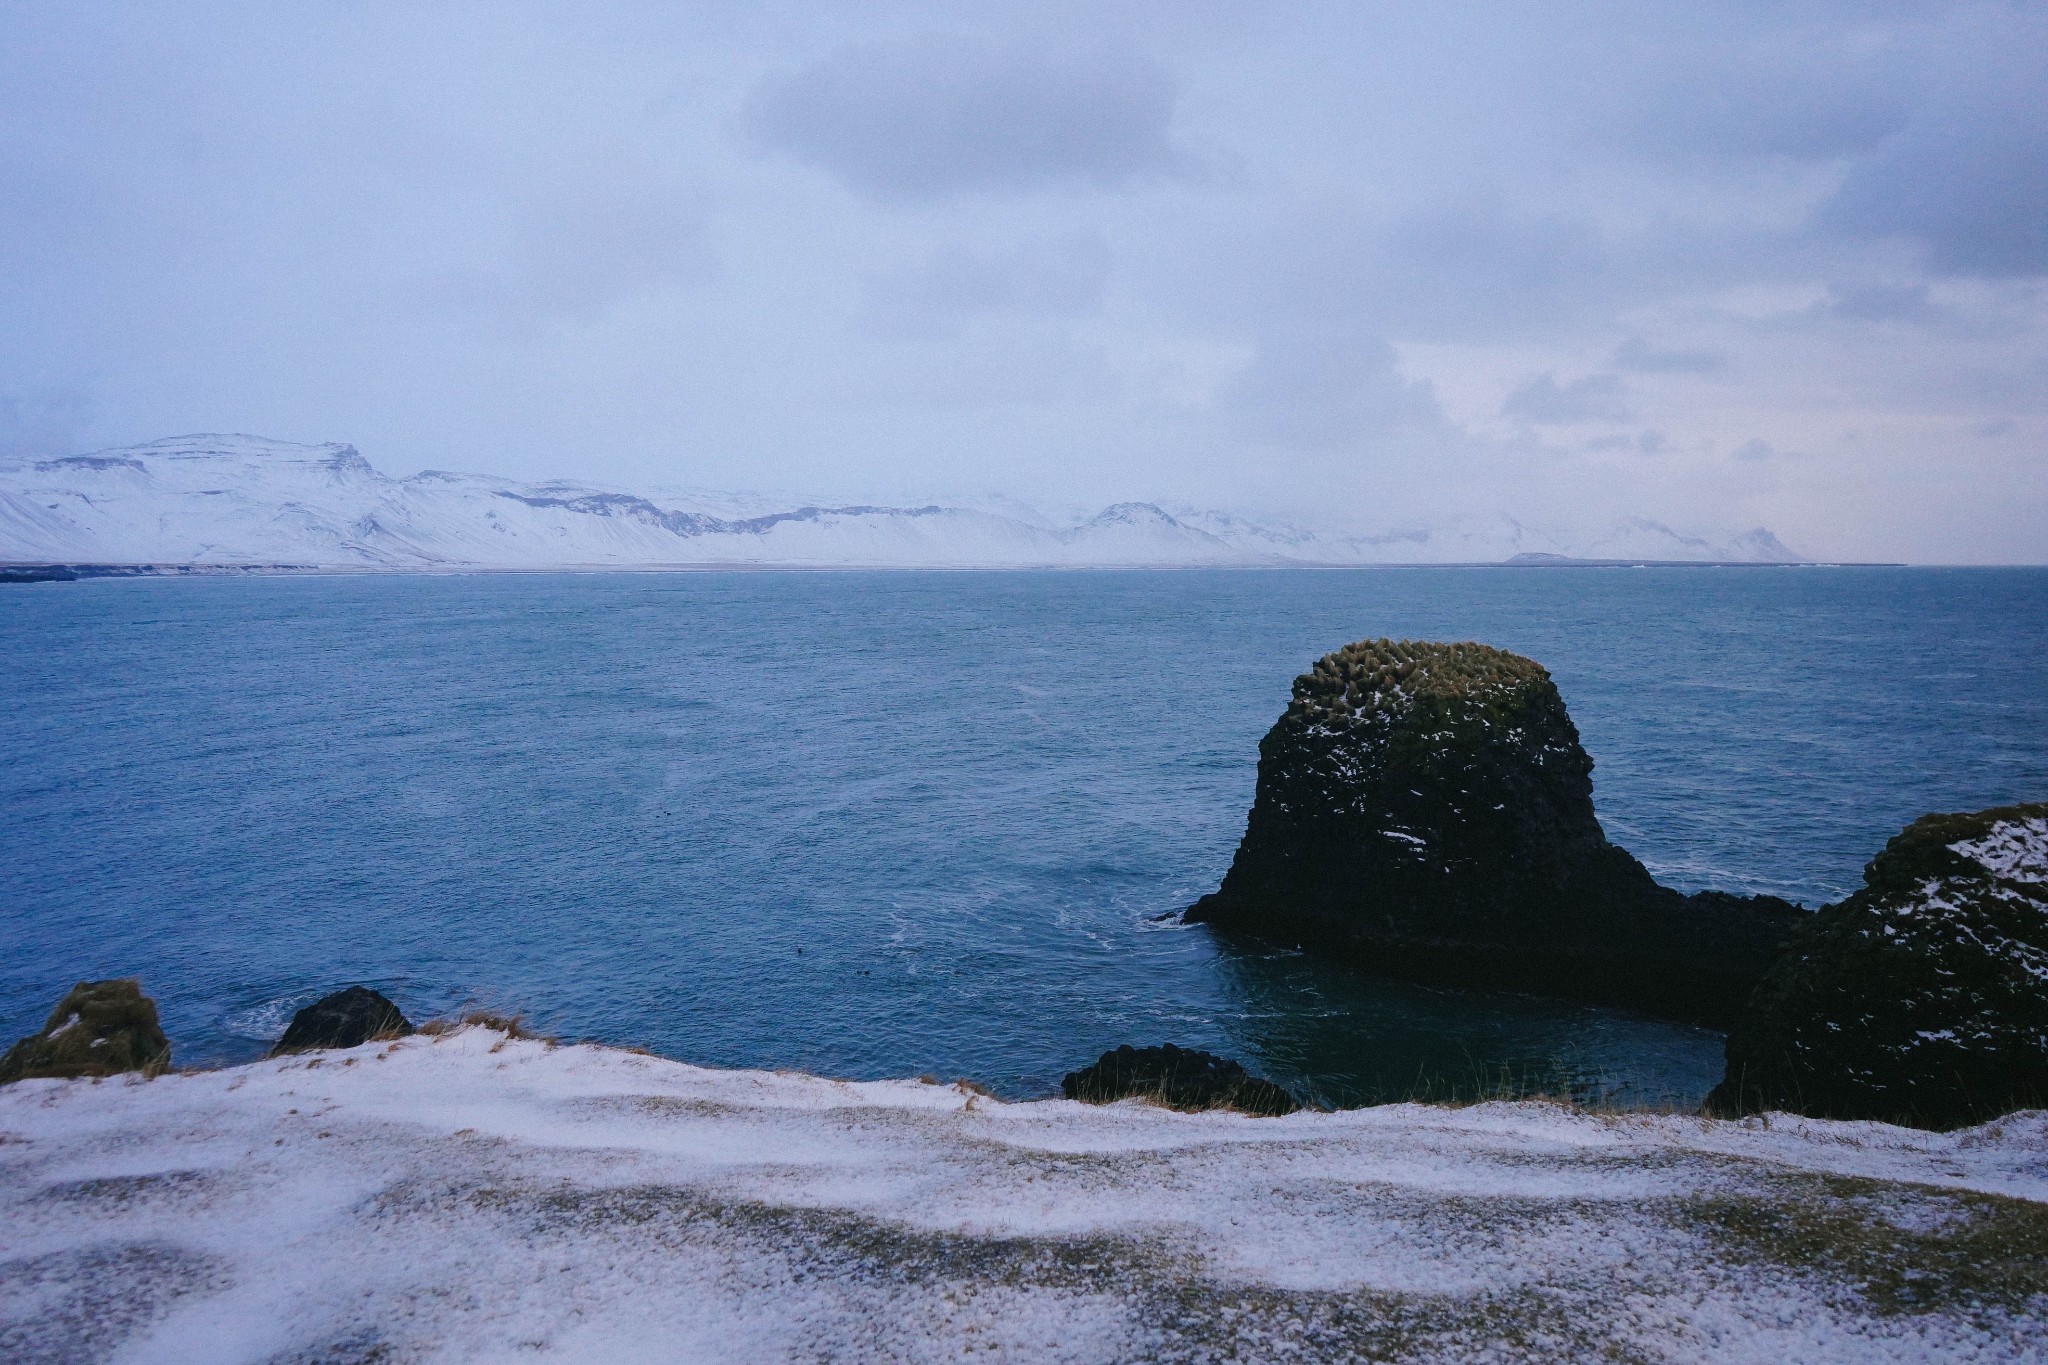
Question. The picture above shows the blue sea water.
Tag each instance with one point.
(898, 823)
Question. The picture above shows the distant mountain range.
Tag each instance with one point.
(247, 501)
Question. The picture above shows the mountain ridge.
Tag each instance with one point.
(212, 500)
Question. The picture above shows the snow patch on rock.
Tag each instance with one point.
(2016, 850)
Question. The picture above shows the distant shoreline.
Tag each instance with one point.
(41, 572)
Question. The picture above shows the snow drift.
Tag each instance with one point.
(242, 500)
(471, 1197)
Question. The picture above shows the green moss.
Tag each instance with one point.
(99, 1028)
(1898, 1248)
(1393, 677)
(1185, 1309)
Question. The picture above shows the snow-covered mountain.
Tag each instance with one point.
(244, 500)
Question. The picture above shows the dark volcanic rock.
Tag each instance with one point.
(344, 1019)
(1923, 997)
(99, 1028)
(1426, 810)
(1178, 1078)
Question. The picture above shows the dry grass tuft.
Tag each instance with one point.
(513, 1026)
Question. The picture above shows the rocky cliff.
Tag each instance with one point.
(1923, 997)
(1426, 810)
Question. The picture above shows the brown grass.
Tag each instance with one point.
(513, 1026)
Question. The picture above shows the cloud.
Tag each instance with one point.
(1756, 449)
(1968, 180)
(1646, 442)
(955, 284)
(938, 117)
(588, 229)
(1319, 389)
(1793, 90)
(1594, 398)
(1878, 303)
(1639, 357)
(1455, 268)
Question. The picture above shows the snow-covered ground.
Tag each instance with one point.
(243, 500)
(474, 1198)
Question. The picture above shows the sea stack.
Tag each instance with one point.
(1920, 999)
(1426, 810)
(99, 1028)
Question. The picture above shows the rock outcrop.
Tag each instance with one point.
(1920, 999)
(347, 1018)
(1426, 810)
(99, 1028)
(1178, 1078)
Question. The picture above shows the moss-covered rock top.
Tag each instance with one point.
(2009, 842)
(99, 1028)
(1389, 678)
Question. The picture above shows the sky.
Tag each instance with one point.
(1353, 266)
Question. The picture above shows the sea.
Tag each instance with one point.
(904, 823)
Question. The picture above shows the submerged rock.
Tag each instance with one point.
(1426, 810)
(347, 1018)
(1178, 1078)
(99, 1028)
(1920, 999)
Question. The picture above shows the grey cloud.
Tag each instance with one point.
(1326, 390)
(1453, 269)
(1646, 442)
(1755, 449)
(1485, 266)
(937, 117)
(585, 239)
(1594, 398)
(1638, 356)
(1969, 179)
(1796, 91)
(949, 287)
(1878, 303)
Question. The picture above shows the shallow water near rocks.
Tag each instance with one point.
(882, 824)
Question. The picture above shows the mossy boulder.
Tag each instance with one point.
(1426, 810)
(1920, 999)
(99, 1028)
(347, 1018)
(1179, 1078)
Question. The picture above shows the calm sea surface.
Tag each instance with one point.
(896, 823)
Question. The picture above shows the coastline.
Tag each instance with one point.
(39, 571)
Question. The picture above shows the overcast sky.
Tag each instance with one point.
(1358, 266)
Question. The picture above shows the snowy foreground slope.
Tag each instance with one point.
(472, 1198)
(242, 500)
